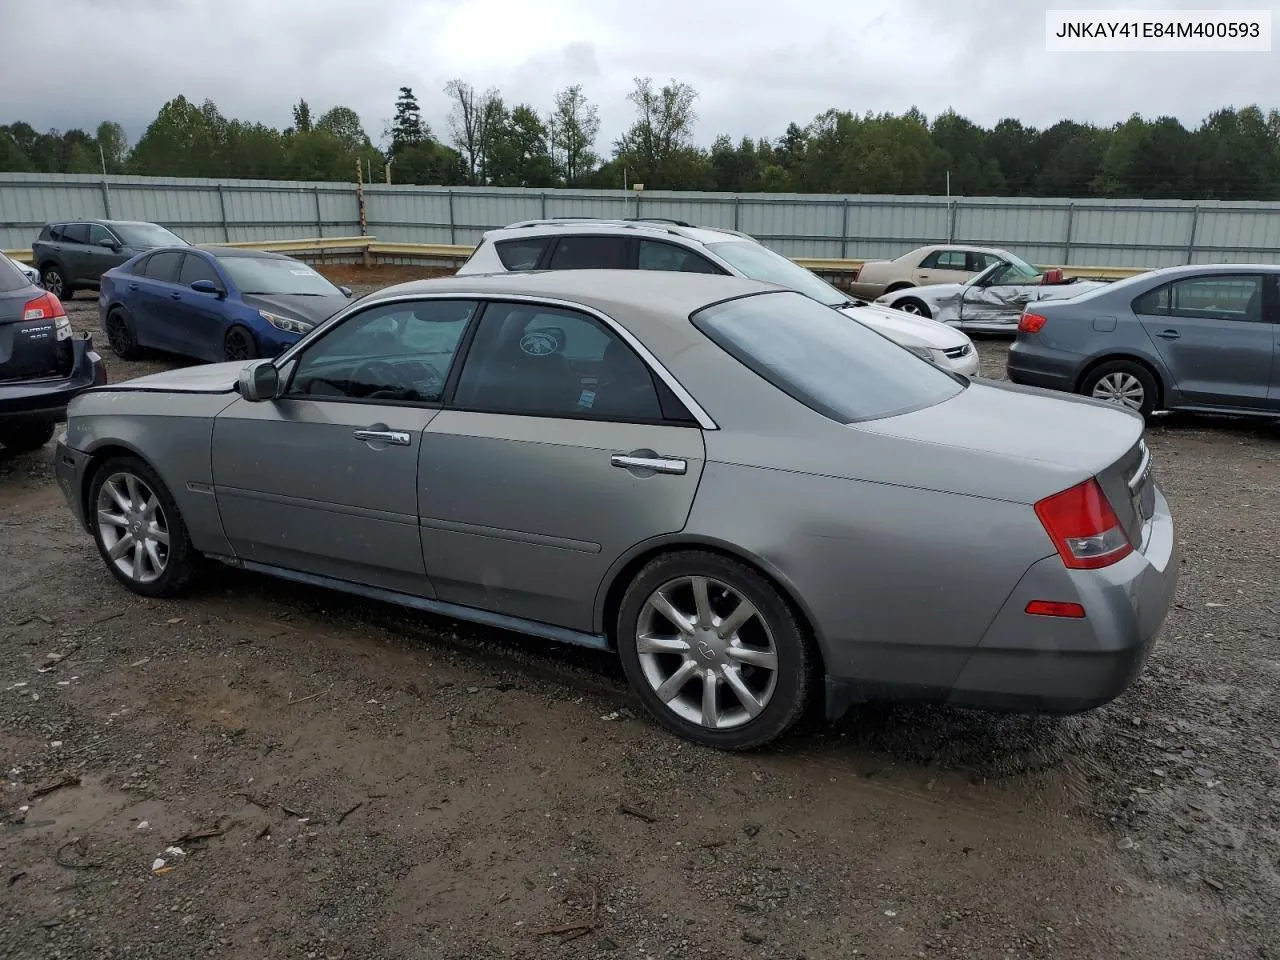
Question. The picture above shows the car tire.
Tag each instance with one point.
(120, 335)
(26, 437)
(769, 656)
(148, 508)
(915, 306)
(239, 344)
(55, 281)
(1125, 383)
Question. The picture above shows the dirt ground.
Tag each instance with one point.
(347, 780)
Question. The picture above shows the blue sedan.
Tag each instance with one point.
(213, 304)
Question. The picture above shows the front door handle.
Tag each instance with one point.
(656, 464)
(397, 438)
(1168, 335)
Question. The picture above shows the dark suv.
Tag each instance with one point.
(71, 255)
(43, 363)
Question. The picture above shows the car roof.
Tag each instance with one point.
(966, 247)
(657, 229)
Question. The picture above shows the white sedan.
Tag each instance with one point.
(28, 271)
(991, 302)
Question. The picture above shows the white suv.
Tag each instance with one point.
(588, 244)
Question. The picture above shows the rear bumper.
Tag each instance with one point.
(1039, 367)
(45, 401)
(1035, 664)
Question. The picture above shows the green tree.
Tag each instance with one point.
(657, 149)
(114, 146)
(184, 140)
(407, 128)
(573, 128)
(344, 123)
(302, 117)
(519, 152)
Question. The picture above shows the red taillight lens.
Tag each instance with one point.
(1055, 608)
(1031, 323)
(43, 307)
(1083, 527)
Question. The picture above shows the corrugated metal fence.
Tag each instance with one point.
(1105, 233)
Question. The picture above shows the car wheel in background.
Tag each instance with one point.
(120, 335)
(1125, 383)
(239, 344)
(915, 307)
(139, 532)
(24, 438)
(56, 283)
(714, 651)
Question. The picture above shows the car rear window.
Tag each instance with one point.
(524, 254)
(818, 356)
(11, 278)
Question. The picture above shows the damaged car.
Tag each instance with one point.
(992, 301)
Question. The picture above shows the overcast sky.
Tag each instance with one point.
(755, 68)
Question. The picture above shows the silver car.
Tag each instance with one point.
(758, 505)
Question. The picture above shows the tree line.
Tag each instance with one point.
(1234, 154)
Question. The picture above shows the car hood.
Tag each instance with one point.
(202, 378)
(906, 328)
(1014, 422)
(311, 309)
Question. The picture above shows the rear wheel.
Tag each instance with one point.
(914, 306)
(120, 335)
(714, 651)
(239, 345)
(27, 437)
(139, 531)
(55, 282)
(1124, 383)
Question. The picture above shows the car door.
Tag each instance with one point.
(198, 320)
(98, 259)
(151, 298)
(324, 479)
(75, 243)
(1216, 334)
(997, 297)
(941, 266)
(532, 483)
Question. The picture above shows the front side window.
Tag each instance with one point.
(542, 361)
(396, 352)
(815, 355)
(658, 255)
(98, 233)
(197, 268)
(524, 254)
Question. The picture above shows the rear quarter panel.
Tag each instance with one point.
(1097, 330)
(172, 433)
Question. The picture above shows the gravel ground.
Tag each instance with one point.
(346, 780)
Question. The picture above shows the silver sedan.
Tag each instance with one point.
(760, 506)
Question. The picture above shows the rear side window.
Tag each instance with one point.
(196, 268)
(658, 255)
(590, 253)
(76, 233)
(163, 266)
(524, 254)
(1216, 297)
(819, 357)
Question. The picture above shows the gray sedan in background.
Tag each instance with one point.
(757, 504)
(1196, 338)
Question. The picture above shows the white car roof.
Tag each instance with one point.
(589, 225)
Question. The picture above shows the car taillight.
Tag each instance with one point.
(1083, 527)
(1031, 323)
(44, 307)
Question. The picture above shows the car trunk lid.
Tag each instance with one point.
(35, 348)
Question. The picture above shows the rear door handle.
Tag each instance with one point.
(175, 295)
(133, 286)
(656, 464)
(1168, 335)
(397, 438)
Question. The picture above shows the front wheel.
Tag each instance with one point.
(914, 307)
(714, 651)
(239, 345)
(139, 531)
(1124, 383)
(25, 438)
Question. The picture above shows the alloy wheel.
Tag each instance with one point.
(237, 346)
(1122, 388)
(118, 334)
(53, 282)
(911, 307)
(707, 652)
(133, 527)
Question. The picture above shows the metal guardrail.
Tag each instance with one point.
(371, 248)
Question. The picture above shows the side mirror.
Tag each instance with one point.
(347, 292)
(205, 286)
(260, 381)
(109, 244)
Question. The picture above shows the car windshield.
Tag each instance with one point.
(147, 235)
(1013, 270)
(270, 275)
(757, 262)
(845, 371)
(11, 278)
